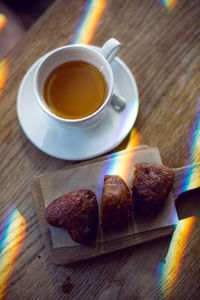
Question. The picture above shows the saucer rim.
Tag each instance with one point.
(85, 156)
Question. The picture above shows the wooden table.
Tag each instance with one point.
(161, 47)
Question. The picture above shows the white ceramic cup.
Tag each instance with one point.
(99, 57)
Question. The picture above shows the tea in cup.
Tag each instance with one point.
(75, 90)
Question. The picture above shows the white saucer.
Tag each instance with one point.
(83, 143)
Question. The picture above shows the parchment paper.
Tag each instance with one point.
(91, 176)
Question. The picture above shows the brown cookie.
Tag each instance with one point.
(152, 185)
(116, 203)
(77, 212)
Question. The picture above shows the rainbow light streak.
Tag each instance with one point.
(3, 21)
(12, 234)
(3, 73)
(169, 4)
(115, 166)
(191, 178)
(170, 270)
(195, 140)
(89, 21)
(134, 139)
(123, 168)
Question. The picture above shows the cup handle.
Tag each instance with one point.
(118, 103)
(110, 49)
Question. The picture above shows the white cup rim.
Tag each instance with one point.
(45, 60)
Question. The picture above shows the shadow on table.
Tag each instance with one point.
(188, 204)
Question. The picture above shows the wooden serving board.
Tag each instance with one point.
(89, 175)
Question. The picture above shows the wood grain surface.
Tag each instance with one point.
(161, 47)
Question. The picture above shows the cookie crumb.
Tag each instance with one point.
(67, 286)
